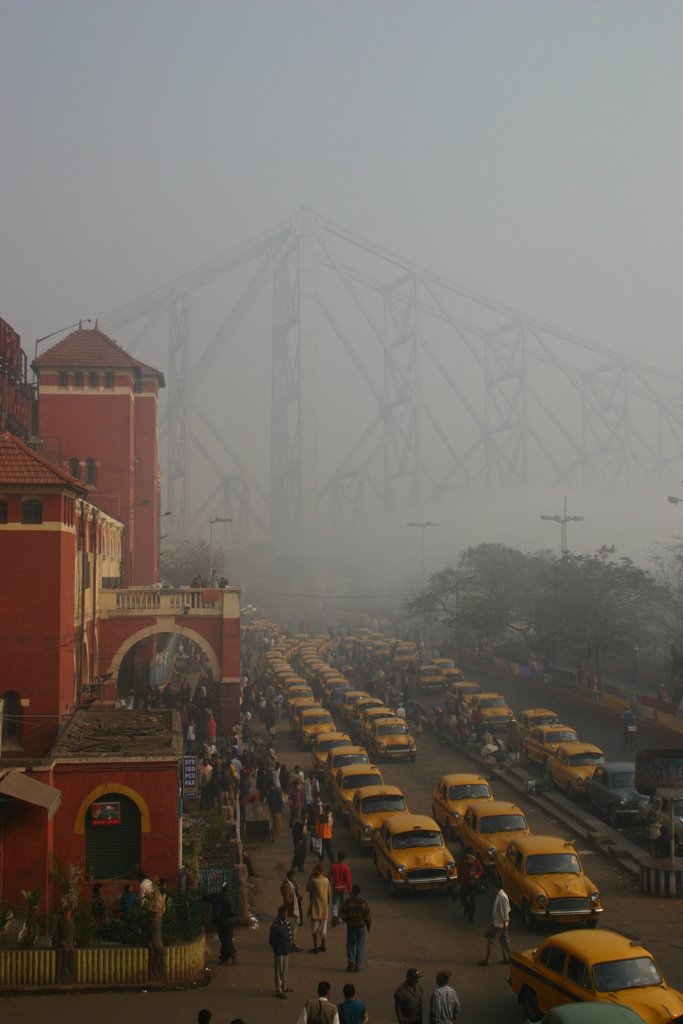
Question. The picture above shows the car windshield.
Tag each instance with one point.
(317, 719)
(553, 864)
(469, 791)
(356, 781)
(618, 974)
(331, 744)
(468, 688)
(408, 840)
(375, 804)
(624, 780)
(503, 823)
(344, 759)
(492, 702)
(537, 720)
(586, 757)
(563, 736)
(391, 730)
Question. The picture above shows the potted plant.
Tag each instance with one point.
(29, 932)
(67, 878)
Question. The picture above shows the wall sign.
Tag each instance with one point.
(190, 781)
(105, 813)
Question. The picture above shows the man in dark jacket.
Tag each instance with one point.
(222, 916)
(280, 940)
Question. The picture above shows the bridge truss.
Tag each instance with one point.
(388, 385)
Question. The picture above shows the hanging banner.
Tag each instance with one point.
(190, 780)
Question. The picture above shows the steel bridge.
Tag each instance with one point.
(388, 385)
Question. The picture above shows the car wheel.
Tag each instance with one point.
(612, 816)
(526, 915)
(592, 922)
(569, 791)
(529, 1001)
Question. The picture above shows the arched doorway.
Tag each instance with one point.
(112, 837)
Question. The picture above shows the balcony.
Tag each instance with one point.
(153, 601)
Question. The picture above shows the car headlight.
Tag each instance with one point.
(457, 815)
(402, 869)
(595, 896)
(578, 777)
(492, 852)
(541, 899)
(622, 801)
(368, 830)
(450, 866)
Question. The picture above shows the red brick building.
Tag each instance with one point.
(98, 421)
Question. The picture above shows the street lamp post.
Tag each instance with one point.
(39, 341)
(423, 527)
(563, 520)
(212, 523)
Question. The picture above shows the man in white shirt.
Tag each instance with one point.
(500, 923)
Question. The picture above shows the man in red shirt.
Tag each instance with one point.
(470, 871)
(341, 884)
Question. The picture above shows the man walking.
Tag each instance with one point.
(318, 888)
(222, 916)
(341, 883)
(292, 900)
(320, 1010)
(280, 940)
(355, 912)
(408, 999)
(444, 1005)
(500, 922)
(470, 871)
(275, 806)
(352, 1010)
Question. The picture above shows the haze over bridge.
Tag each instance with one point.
(387, 386)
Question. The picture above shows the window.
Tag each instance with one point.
(11, 719)
(75, 468)
(78, 379)
(90, 471)
(63, 379)
(109, 380)
(94, 380)
(32, 511)
(578, 973)
(553, 959)
(137, 387)
(3, 510)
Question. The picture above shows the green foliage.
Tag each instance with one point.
(590, 604)
(181, 564)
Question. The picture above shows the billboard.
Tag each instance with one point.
(659, 771)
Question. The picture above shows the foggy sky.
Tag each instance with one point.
(530, 151)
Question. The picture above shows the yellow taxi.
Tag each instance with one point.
(601, 966)
(313, 722)
(405, 654)
(497, 715)
(347, 780)
(340, 757)
(544, 878)
(430, 678)
(465, 688)
(410, 854)
(572, 764)
(365, 703)
(369, 714)
(541, 743)
(487, 827)
(452, 675)
(371, 807)
(389, 739)
(453, 794)
(531, 718)
(324, 744)
(295, 705)
(350, 698)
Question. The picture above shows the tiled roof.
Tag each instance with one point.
(19, 464)
(91, 349)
